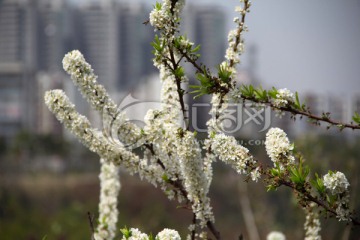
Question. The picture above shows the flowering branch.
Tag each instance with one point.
(109, 189)
(287, 103)
(171, 156)
(331, 191)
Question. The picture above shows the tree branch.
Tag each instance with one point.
(307, 114)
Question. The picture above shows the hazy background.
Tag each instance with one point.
(303, 45)
(48, 181)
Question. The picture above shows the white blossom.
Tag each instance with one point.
(229, 151)
(65, 112)
(195, 182)
(218, 109)
(342, 210)
(283, 98)
(236, 43)
(312, 224)
(108, 212)
(274, 235)
(164, 17)
(136, 234)
(169, 95)
(84, 78)
(336, 182)
(158, 18)
(255, 174)
(278, 147)
(168, 234)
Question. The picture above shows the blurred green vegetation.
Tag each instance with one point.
(34, 204)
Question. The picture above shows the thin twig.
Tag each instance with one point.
(240, 29)
(194, 223)
(309, 197)
(307, 114)
(91, 223)
(213, 230)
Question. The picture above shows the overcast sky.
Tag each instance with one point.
(307, 44)
(304, 45)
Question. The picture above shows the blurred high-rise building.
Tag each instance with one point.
(98, 39)
(134, 49)
(53, 34)
(17, 65)
(206, 25)
(115, 42)
(35, 35)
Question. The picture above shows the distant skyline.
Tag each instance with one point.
(307, 46)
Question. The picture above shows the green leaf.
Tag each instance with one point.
(157, 45)
(356, 118)
(224, 73)
(207, 86)
(297, 101)
(158, 6)
(275, 172)
(318, 184)
(271, 187)
(299, 173)
(126, 232)
(179, 72)
(165, 178)
(195, 49)
(151, 237)
(273, 92)
(261, 94)
(247, 91)
(331, 199)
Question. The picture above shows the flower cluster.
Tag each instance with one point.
(337, 184)
(169, 94)
(312, 224)
(238, 157)
(195, 182)
(84, 78)
(109, 189)
(163, 137)
(164, 15)
(168, 234)
(158, 17)
(136, 234)
(283, 98)
(278, 147)
(219, 105)
(274, 235)
(236, 43)
(232, 52)
(79, 125)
